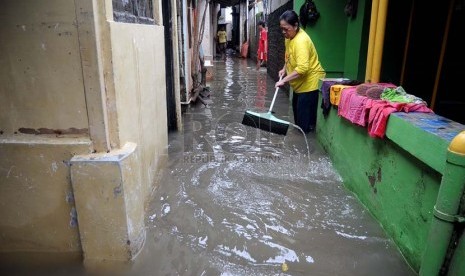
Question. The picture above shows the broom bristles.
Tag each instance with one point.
(265, 122)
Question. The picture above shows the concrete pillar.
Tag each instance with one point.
(109, 203)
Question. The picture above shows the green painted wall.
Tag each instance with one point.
(329, 34)
(396, 179)
(358, 29)
(397, 188)
(341, 42)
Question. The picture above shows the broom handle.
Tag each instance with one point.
(274, 97)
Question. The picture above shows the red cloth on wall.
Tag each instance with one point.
(374, 114)
(380, 111)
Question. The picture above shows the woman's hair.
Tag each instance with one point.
(262, 23)
(290, 17)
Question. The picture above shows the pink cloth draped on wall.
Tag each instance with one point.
(374, 114)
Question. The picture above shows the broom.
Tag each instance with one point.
(266, 121)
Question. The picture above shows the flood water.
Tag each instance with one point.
(235, 200)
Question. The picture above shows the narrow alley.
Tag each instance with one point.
(234, 200)
(128, 145)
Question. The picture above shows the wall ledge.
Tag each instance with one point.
(424, 135)
(45, 139)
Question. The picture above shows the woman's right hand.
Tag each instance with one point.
(279, 84)
(281, 73)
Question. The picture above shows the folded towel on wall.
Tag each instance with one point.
(354, 107)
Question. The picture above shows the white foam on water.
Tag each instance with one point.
(203, 241)
(278, 228)
(351, 236)
(166, 208)
(309, 259)
(286, 254)
(240, 253)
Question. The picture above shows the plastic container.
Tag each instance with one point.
(335, 93)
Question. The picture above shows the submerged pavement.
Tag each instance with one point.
(235, 200)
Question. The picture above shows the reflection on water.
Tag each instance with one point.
(234, 200)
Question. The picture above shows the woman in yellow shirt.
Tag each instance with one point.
(302, 69)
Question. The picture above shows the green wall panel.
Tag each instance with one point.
(341, 42)
(329, 34)
(358, 29)
(397, 188)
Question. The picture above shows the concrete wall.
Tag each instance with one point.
(117, 184)
(73, 80)
(139, 77)
(40, 67)
(37, 207)
(43, 123)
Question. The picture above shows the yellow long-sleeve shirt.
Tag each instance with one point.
(222, 36)
(301, 56)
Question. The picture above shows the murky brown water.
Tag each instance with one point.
(234, 200)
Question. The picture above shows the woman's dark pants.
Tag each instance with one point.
(305, 106)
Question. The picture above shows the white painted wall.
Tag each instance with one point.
(207, 40)
(243, 18)
(214, 29)
(226, 14)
